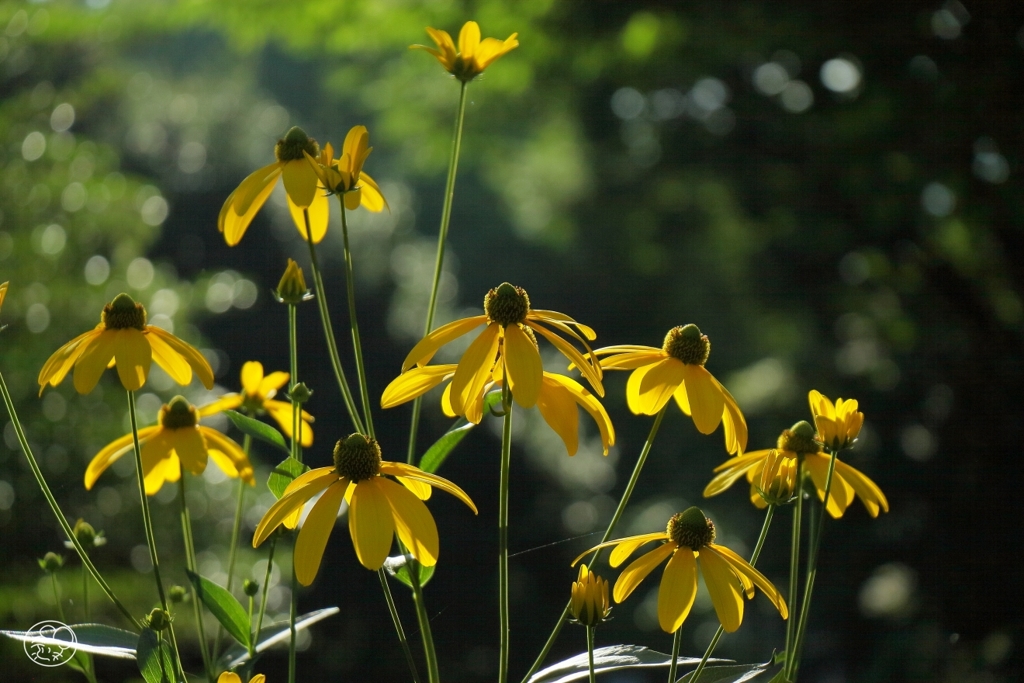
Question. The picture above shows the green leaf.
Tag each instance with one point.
(223, 605)
(732, 673)
(97, 639)
(257, 430)
(611, 658)
(155, 661)
(272, 634)
(398, 567)
(436, 454)
(285, 473)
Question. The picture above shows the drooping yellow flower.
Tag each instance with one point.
(689, 539)
(300, 185)
(589, 605)
(345, 176)
(838, 425)
(258, 397)
(232, 677)
(508, 339)
(559, 395)
(123, 338)
(177, 441)
(798, 444)
(677, 370)
(377, 508)
(473, 56)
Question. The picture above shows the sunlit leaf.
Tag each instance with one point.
(96, 639)
(257, 430)
(156, 663)
(730, 673)
(272, 634)
(285, 473)
(398, 567)
(442, 448)
(611, 658)
(224, 606)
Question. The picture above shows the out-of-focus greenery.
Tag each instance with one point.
(852, 226)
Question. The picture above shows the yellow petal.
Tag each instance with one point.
(677, 590)
(547, 316)
(733, 423)
(93, 361)
(638, 570)
(523, 367)
(190, 447)
(133, 356)
(629, 545)
(370, 523)
(370, 195)
(492, 48)
(63, 359)
(589, 403)
(282, 414)
(319, 210)
(706, 400)
(247, 199)
(741, 566)
(420, 489)
(252, 375)
(191, 355)
(269, 385)
(225, 402)
(300, 182)
(820, 405)
(111, 453)
(653, 386)
(840, 495)
(397, 469)
(866, 490)
(592, 373)
(292, 500)
(227, 448)
(312, 539)
(159, 462)
(428, 346)
(230, 677)
(557, 407)
(474, 368)
(469, 38)
(413, 522)
(731, 470)
(414, 383)
(724, 587)
(631, 360)
(170, 360)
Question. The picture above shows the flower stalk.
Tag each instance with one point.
(794, 562)
(190, 562)
(590, 653)
(353, 322)
(398, 625)
(506, 453)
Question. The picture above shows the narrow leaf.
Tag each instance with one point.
(257, 430)
(96, 639)
(398, 567)
(155, 661)
(272, 634)
(732, 673)
(285, 473)
(436, 454)
(611, 658)
(223, 605)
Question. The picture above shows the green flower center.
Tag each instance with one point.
(293, 144)
(799, 439)
(687, 344)
(123, 312)
(507, 304)
(178, 414)
(691, 528)
(357, 457)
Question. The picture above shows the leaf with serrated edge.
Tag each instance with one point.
(442, 448)
(151, 651)
(275, 633)
(96, 639)
(224, 606)
(257, 430)
(611, 658)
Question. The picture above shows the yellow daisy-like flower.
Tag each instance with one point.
(838, 425)
(796, 444)
(378, 507)
(177, 441)
(123, 338)
(345, 176)
(300, 185)
(508, 339)
(232, 677)
(589, 605)
(257, 396)
(676, 370)
(689, 539)
(473, 56)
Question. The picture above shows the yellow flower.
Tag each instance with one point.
(589, 605)
(689, 538)
(378, 507)
(3, 293)
(556, 401)
(474, 55)
(838, 425)
(177, 441)
(300, 185)
(508, 339)
(292, 289)
(345, 175)
(124, 339)
(232, 677)
(257, 397)
(797, 444)
(677, 370)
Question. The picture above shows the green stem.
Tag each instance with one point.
(677, 641)
(607, 534)
(55, 508)
(442, 240)
(506, 457)
(291, 623)
(590, 652)
(332, 344)
(56, 596)
(397, 621)
(812, 573)
(794, 563)
(236, 530)
(753, 561)
(266, 587)
(85, 592)
(429, 651)
(252, 641)
(190, 562)
(350, 285)
(293, 379)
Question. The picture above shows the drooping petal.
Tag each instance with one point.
(866, 490)
(629, 545)
(706, 400)
(110, 453)
(557, 407)
(589, 403)
(631, 360)
(677, 590)
(93, 361)
(247, 199)
(282, 414)
(733, 423)
(159, 463)
(300, 182)
(292, 500)
(523, 366)
(840, 495)
(731, 470)
(400, 469)
(319, 210)
(225, 402)
(547, 315)
(163, 471)
(592, 373)
(414, 383)
(492, 48)
(371, 197)
(413, 522)
(420, 489)
(60, 362)
(370, 523)
(196, 361)
(724, 587)
(655, 386)
(312, 539)
(639, 568)
(173, 363)
(231, 451)
(741, 566)
(428, 346)
(188, 443)
(475, 368)
(133, 356)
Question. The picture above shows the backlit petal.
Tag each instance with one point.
(111, 453)
(371, 524)
(866, 490)
(733, 423)
(232, 451)
(840, 495)
(475, 368)
(677, 590)
(741, 566)
(558, 409)
(428, 346)
(312, 539)
(93, 361)
(413, 522)
(413, 383)
(300, 182)
(271, 383)
(593, 374)
(469, 39)
(319, 210)
(657, 385)
(547, 315)
(196, 361)
(247, 199)
(420, 489)
(706, 400)
(639, 568)
(589, 403)
(631, 360)
(252, 375)
(188, 443)
(397, 469)
(225, 402)
(629, 545)
(63, 359)
(282, 414)
(133, 356)
(173, 363)
(293, 499)
(724, 587)
(371, 198)
(523, 366)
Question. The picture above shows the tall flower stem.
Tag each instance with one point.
(350, 285)
(590, 653)
(293, 378)
(296, 450)
(398, 625)
(506, 459)
(753, 561)
(85, 592)
(55, 508)
(190, 562)
(429, 652)
(677, 641)
(292, 610)
(236, 530)
(442, 240)
(325, 319)
(266, 589)
(793, 663)
(794, 563)
(633, 478)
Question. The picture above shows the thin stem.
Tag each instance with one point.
(753, 561)
(190, 562)
(265, 588)
(442, 239)
(397, 621)
(677, 641)
(252, 641)
(293, 379)
(607, 534)
(506, 457)
(55, 508)
(233, 548)
(590, 652)
(794, 563)
(85, 592)
(350, 285)
(429, 651)
(291, 623)
(332, 344)
(56, 596)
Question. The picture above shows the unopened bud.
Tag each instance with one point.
(158, 620)
(250, 587)
(51, 562)
(292, 287)
(300, 393)
(177, 594)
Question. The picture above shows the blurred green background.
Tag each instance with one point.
(831, 191)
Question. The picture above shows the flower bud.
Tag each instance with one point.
(176, 594)
(292, 287)
(250, 587)
(589, 605)
(51, 562)
(158, 620)
(300, 393)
